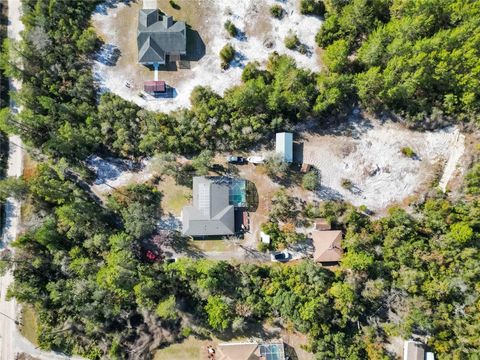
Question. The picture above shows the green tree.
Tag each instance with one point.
(219, 313)
(203, 162)
(335, 56)
(166, 309)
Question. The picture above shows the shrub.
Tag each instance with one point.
(312, 7)
(275, 166)
(310, 180)
(473, 180)
(226, 55)
(347, 184)
(239, 324)
(408, 152)
(231, 28)
(187, 331)
(291, 41)
(277, 11)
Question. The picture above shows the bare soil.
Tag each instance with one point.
(205, 19)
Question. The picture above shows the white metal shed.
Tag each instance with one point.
(284, 146)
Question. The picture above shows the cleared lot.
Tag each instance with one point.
(259, 35)
(368, 154)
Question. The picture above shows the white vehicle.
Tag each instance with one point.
(256, 159)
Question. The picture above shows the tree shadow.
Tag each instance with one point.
(240, 35)
(327, 193)
(356, 125)
(253, 330)
(183, 245)
(252, 196)
(111, 4)
(108, 55)
(290, 352)
(238, 60)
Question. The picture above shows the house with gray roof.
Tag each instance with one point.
(159, 37)
(211, 214)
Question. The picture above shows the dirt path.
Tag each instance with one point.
(11, 340)
(457, 150)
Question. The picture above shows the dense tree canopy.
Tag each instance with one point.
(417, 58)
(84, 266)
(85, 271)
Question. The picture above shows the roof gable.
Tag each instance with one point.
(238, 351)
(328, 245)
(151, 52)
(211, 213)
(162, 36)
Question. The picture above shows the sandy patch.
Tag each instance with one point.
(115, 173)
(370, 158)
(116, 25)
(457, 149)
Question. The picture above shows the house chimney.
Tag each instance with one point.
(167, 21)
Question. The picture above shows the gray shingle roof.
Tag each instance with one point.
(211, 213)
(157, 38)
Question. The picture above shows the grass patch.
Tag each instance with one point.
(214, 245)
(190, 348)
(29, 324)
(175, 197)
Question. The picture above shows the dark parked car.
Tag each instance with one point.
(232, 159)
(281, 256)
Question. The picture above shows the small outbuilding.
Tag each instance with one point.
(284, 146)
(154, 86)
(265, 238)
(322, 224)
(413, 350)
(328, 247)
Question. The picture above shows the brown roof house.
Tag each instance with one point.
(251, 351)
(328, 246)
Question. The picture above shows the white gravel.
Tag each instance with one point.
(371, 159)
(207, 71)
(115, 173)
